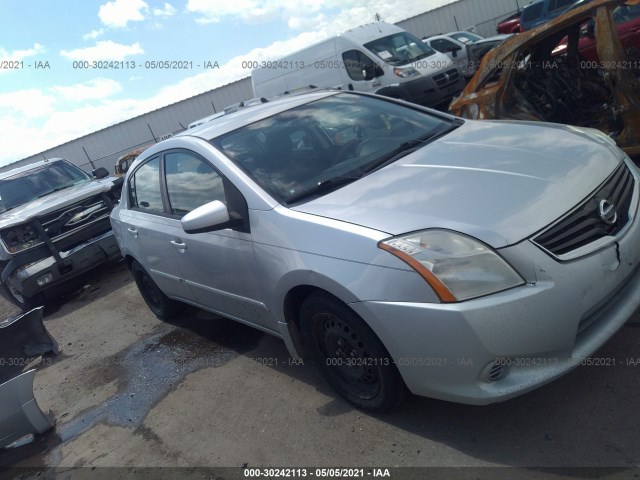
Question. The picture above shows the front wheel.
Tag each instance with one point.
(349, 354)
(23, 302)
(162, 306)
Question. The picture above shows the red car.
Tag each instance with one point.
(510, 24)
(627, 21)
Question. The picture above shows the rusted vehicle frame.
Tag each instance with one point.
(492, 92)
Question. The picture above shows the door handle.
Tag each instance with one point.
(133, 232)
(179, 244)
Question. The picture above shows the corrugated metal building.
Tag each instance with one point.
(480, 16)
(102, 148)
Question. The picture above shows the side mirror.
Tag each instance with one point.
(100, 172)
(454, 49)
(207, 218)
(369, 71)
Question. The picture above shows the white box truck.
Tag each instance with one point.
(378, 58)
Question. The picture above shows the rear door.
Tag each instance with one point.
(154, 237)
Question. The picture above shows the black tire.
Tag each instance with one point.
(162, 306)
(22, 301)
(350, 356)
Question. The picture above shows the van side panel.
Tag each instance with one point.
(316, 65)
(435, 78)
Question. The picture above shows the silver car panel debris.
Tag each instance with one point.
(20, 414)
(22, 339)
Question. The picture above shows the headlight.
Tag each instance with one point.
(456, 266)
(20, 238)
(406, 72)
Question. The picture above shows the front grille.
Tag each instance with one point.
(447, 78)
(79, 222)
(594, 218)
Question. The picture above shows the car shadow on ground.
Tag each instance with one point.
(85, 288)
(584, 419)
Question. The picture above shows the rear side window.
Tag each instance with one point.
(144, 187)
(561, 5)
(532, 12)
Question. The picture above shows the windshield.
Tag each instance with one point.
(466, 37)
(331, 141)
(26, 186)
(400, 49)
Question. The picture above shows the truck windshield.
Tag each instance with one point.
(320, 146)
(24, 187)
(400, 49)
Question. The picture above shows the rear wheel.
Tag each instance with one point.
(162, 306)
(349, 354)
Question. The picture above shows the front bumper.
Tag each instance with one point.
(494, 348)
(28, 279)
(426, 91)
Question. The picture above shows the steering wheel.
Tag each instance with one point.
(348, 150)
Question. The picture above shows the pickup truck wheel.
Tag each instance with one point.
(162, 306)
(350, 356)
(22, 301)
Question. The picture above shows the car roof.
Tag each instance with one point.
(30, 166)
(240, 118)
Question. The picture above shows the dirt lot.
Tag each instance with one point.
(131, 391)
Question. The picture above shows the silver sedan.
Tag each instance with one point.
(397, 247)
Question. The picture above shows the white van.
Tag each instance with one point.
(377, 58)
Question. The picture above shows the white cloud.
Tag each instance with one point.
(120, 12)
(18, 55)
(167, 10)
(104, 50)
(294, 13)
(93, 34)
(96, 88)
(26, 104)
(305, 23)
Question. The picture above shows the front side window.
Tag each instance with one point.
(144, 187)
(191, 182)
(443, 45)
(400, 48)
(354, 62)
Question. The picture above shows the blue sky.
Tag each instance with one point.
(46, 98)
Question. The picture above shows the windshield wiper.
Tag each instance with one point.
(54, 190)
(323, 187)
(406, 148)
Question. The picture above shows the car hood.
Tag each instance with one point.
(55, 201)
(498, 181)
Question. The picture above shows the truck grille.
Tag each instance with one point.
(79, 222)
(447, 78)
(605, 213)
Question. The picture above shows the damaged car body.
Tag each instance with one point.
(54, 225)
(23, 338)
(580, 69)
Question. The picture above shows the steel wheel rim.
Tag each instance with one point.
(346, 357)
